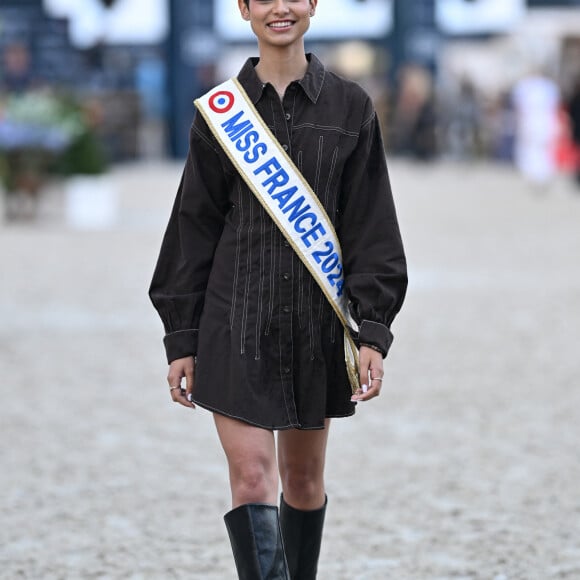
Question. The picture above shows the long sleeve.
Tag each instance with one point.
(185, 260)
(374, 259)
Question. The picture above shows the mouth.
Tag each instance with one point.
(281, 24)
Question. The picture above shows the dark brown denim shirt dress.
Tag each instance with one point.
(231, 291)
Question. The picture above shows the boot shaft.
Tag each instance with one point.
(254, 531)
(302, 536)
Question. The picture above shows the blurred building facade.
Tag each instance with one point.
(440, 71)
(123, 84)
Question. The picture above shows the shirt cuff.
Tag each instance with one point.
(375, 334)
(180, 344)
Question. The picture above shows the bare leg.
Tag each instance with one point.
(251, 455)
(253, 524)
(301, 459)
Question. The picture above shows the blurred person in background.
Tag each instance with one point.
(247, 325)
(536, 100)
(573, 107)
(502, 125)
(16, 74)
(414, 117)
(150, 81)
(464, 119)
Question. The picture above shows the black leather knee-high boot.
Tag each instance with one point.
(254, 531)
(302, 534)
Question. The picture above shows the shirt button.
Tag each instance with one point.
(288, 116)
(285, 147)
(286, 276)
(286, 370)
(286, 309)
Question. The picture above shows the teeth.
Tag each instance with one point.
(280, 24)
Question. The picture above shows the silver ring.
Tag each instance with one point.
(377, 379)
(173, 388)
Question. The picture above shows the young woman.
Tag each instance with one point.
(247, 326)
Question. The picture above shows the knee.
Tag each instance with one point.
(253, 482)
(303, 486)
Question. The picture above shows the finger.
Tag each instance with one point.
(183, 400)
(173, 378)
(364, 376)
(189, 381)
(360, 394)
(174, 391)
(179, 396)
(354, 397)
(367, 395)
(375, 381)
(370, 392)
(363, 380)
(375, 388)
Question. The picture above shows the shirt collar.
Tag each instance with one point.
(311, 82)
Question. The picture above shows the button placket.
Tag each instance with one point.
(287, 115)
(286, 294)
(285, 286)
(286, 347)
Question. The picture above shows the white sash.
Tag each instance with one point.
(285, 194)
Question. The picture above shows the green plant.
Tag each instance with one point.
(45, 133)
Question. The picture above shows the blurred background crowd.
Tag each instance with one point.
(89, 83)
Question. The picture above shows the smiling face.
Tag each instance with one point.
(278, 23)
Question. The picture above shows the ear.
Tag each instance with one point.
(313, 4)
(244, 10)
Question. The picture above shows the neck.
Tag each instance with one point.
(281, 67)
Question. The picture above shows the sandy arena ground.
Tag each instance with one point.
(468, 466)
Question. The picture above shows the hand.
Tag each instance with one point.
(179, 369)
(371, 374)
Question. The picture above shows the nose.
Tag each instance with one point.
(281, 6)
